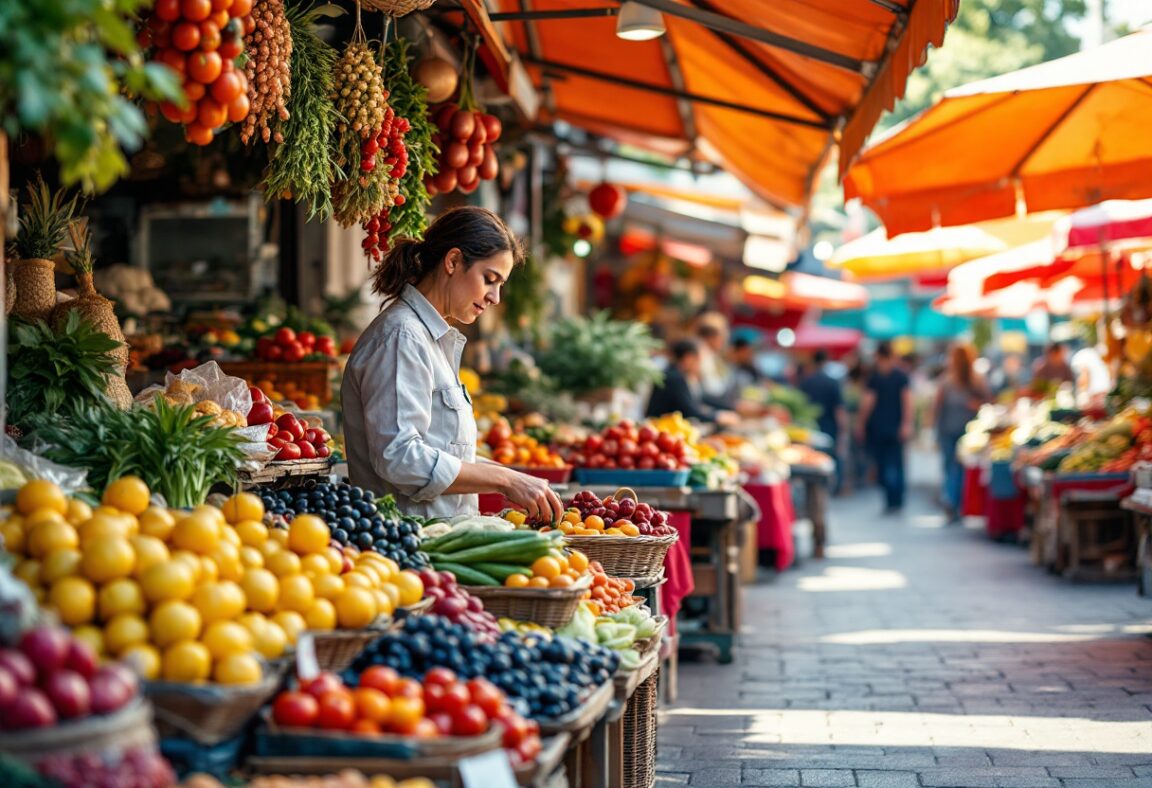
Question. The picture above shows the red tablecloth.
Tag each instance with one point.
(678, 570)
(975, 497)
(774, 531)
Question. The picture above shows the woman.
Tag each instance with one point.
(959, 396)
(409, 429)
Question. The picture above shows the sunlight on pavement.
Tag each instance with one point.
(910, 729)
(861, 550)
(853, 578)
(873, 637)
(926, 521)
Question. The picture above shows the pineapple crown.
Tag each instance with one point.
(80, 258)
(44, 221)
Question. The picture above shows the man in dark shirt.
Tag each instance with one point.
(824, 390)
(680, 390)
(886, 424)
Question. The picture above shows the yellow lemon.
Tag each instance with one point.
(321, 615)
(102, 524)
(108, 558)
(252, 532)
(387, 598)
(261, 588)
(121, 596)
(279, 535)
(315, 565)
(124, 630)
(283, 563)
(209, 570)
(254, 623)
(40, 494)
(58, 564)
(129, 522)
(50, 536)
(291, 623)
(328, 586)
(211, 512)
(226, 637)
(196, 532)
(187, 661)
(243, 506)
(78, 511)
(157, 522)
(128, 494)
(273, 641)
(227, 558)
(173, 621)
(307, 534)
(150, 550)
(28, 570)
(43, 516)
(223, 600)
(74, 599)
(172, 579)
(270, 548)
(195, 563)
(237, 669)
(92, 636)
(411, 587)
(335, 560)
(355, 608)
(358, 579)
(251, 558)
(144, 658)
(296, 593)
(228, 535)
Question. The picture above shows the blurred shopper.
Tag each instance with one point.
(824, 390)
(857, 454)
(681, 389)
(715, 374)
(1093, 378)
(1053, 368)
(961, 393)
(1007, 376)
(885, 424)
(745, 373)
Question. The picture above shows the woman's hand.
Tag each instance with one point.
(537, 498)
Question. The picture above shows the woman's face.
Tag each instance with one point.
(472, 289)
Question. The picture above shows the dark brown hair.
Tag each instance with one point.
(477, 232)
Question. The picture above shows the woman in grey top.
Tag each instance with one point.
(409, 429)
(960, 394)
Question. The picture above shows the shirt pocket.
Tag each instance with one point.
(459, 423)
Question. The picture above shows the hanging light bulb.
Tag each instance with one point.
(637, 22)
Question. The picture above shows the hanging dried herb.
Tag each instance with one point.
(269, 54)
(303, 169)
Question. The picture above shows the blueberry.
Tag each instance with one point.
(355, 493)
(363, 541)
(340, 535)
(369, 495)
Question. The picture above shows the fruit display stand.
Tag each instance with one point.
(586, 760)
(548, 607)
(1047, 490)
(310, 377)
(1096, 536)
(209, 714)
(281, 475)
(632, 725)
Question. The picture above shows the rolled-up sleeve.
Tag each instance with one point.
(396, 385)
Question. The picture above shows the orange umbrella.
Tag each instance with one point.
(1064, 134)
(762, 89)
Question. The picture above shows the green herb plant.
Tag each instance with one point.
(409, 100)
(170, 447)
(585, 354)
(50, 369)
(44, 221)
(304, 166)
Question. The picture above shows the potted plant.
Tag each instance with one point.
(43, 225)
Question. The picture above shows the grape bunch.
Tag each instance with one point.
(650, 521)
(354, 518)
(457, 605)
(389, 144)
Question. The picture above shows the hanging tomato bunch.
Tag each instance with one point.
(200, 40)
(386, 149)
(466, 138)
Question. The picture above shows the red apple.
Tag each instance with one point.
(289, 451)
(9, 687)
(69, 694)
(18, 665)
(307, 450)
(260, 413)
(290, 424)
(81, 659)
(46, 648)
(112, 687)
(30, 709)
(285, 336)
(257, 394)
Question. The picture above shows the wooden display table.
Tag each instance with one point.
(1142, 517)
(817, 483)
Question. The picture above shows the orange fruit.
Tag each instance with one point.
(13, 535)
(372, 704)
(108, 558)
(144, 658)
(283, 563)
(571, 516)
(321, 615)
(128, 494)
(546, 567)
(279, 535)
(291, 623)
(223, 600)
(630, 529)
(121, 596)
(243, 506)
(227, 637)
(40, 494)
(74, 599)
(385, 601)
(296, 593)
(78, 511)
(335, 560)
(516, 581)
(150, 550)
(186, 661)
(173, 621)
(261, 588)
(315, 565)
(124, 630)
(252, 532)
(227, 560)
(171, 579)
(196, 532)
(538, 582)
(50, 536)
(104, 524)
(358, 579)
(411, 587)
(237, 669)
(595, 522)
(308, 534)
(561, 581)
(58, 564)
(157, 522)
(211, 512)
(355, 608)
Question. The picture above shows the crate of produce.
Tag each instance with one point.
(551, 475)
(624, 478)
(597, 528)
(210, 713)
(310, 377)
(548, 607)
(342, 750)
(584, 716)
(128, 728)
(640, 734)
(281, 475)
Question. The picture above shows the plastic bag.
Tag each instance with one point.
(18, 466)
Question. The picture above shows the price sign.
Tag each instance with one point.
(489, 770)
(307, 666)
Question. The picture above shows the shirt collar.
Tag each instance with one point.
(433, 321)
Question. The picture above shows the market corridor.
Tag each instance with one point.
(918, 655)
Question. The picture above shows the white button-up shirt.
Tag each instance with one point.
(408, 421)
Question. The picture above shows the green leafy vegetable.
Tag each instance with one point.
(585, 354)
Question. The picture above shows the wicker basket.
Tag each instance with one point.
(625, 556)
(640, 735)
(548, 607)
(397, 7)
(129, 727)
(336, 649)
(35, 288)
(209, 713)
(418, 609)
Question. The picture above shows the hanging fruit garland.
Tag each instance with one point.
(466, 140)
(268, 69)
(302, 168)
(200, 40)
(411, 156)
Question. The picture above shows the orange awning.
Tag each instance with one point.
(799, 291)
(1063, 134)
(769, 112)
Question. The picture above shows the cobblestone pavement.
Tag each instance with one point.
(919, 655)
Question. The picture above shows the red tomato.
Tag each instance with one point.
(204, 67)
(337, 710)
(409, 688)
(240, 8)
(221, 5)
(364, 727)
(290, 451)
(311, 436)
(294, 353)
(209, 36)
(487, 696)
(425, 729)
(441, 676)
(515, 730)
(226, 88)
(275, 353)
(469, 721)
(195, 10)
(188, 115)
(406, 714)
(171, 112)
(194, 90)
(455, 700)
(211, 114)
(324, 682)
(186, 36)
(173, 58)
(295, 710)
(380, 677)
(231, 48)
(326, 345)
(198, 135)
(221, 19)
(442, 721)
(168, 10)
(262, 345)
(323, 451)
(307, 450)
(307, 339)
(238, 108)
(285, 336)
(249, 25)
(434, 698)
